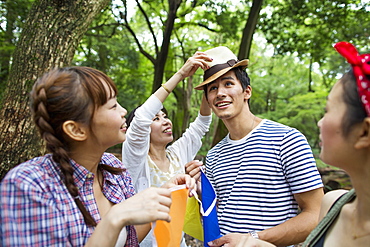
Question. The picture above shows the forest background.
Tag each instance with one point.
(140, 44)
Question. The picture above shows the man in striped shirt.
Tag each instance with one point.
(263, 172)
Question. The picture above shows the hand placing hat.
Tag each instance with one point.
(223, 61)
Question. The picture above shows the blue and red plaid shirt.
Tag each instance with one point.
(36, 208)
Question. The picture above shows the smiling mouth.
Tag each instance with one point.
(167, 131)
(222, 104)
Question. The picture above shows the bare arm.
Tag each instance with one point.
(248, 241)
(205, 110)
(147, 206)
(296, 229)
(142, 231)
(292, 231)
(192, 64)
(193, 167)
(328, 201)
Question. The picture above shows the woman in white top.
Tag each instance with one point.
(146, 153)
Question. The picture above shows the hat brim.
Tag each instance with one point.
(243, 63)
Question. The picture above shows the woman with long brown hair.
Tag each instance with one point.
(78, 195)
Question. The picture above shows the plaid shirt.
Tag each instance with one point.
(36, 208)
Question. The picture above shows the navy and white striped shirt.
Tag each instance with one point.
(255, 177)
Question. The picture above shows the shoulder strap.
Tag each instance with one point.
(326, 222)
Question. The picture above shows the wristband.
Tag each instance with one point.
(254, 234)
(165, 88)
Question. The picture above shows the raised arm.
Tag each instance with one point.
(296, 229)
(192, 64)
(205, 110)
(136, 146)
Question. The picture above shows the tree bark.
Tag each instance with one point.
(49, 39)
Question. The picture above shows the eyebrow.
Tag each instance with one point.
(222, 78)
(227, 78)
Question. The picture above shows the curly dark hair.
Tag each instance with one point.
(240, 74)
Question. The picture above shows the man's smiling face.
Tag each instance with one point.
(226, 96)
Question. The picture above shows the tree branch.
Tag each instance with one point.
(131, 31)
(149, 26)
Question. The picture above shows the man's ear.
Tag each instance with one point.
(248, 92)
(363, 140)
(74, 130)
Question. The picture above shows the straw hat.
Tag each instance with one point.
(223, 61)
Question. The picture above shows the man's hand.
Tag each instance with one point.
(229, 240)
(248, 241)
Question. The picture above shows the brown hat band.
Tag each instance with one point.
(214, 69)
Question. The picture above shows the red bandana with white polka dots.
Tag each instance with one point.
(361, 70)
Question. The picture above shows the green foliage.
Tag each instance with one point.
(107, 47)
(223, 17)
(311, 27)
(12, 17)
(303, 112)
(299, 34)
(280, 92)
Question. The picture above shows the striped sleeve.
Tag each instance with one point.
(299, 163)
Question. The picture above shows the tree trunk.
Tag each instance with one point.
(49, 39)
(181, 118)
(310, 76)
(244, 50)
(163, 53)
(249, 28)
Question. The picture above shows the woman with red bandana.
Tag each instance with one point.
(345, 143)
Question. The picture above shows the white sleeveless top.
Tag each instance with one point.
(122, 237)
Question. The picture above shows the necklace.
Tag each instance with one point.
(354, 234)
